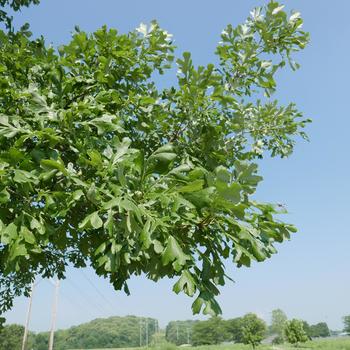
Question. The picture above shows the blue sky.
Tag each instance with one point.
(309, 277)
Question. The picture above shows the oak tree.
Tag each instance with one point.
(100, 166)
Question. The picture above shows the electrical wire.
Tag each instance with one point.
(97, 290)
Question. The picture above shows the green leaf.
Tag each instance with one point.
(27, 235)
(172, 252)
(106, 123)
(91, 221)
(76, 195)
(231, 193)
(168, 148)
(9, 233)
(50, 164)
(197, 305)
(186, 283)
(96, 221)
(22, 176)
(122, 149)
(101, 249)
(192, 186)
(223, 174)
(16, 250)
(202, 198)
(158, 247)
(4, 196)
(166, 157)
(112, 203)
(37, 225)
(145, 235)
(160, 160)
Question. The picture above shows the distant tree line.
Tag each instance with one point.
(179, 332)
(113, 332)
(280, 328)
(132, 331)
(319, 330)
(249, 329)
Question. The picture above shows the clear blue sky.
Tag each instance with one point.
(310, 276)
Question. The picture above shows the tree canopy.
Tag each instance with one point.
(11, 337)
(346, 320)
(179, 332)
(278, 320)
(294, 332)
(112, 332)
(209, 332)
(101, 167)
(253, 329)
(319, 330)
(14, 5)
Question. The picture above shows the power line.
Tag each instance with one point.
(83, 294)
(97, 290)
(76, 303)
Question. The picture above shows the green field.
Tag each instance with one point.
(328, 344)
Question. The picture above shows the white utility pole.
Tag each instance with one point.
(25, 335)
(54, 315)
(177, 332)
(140, 333)
(155, 332)
(147, 332)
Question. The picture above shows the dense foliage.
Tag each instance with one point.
(11, 337)
(294, 332)
(248, 329)
(319, 330)
(208, 332)
(113, 332)
(100, 167)
(234, 330)
(179, 332)
(347, 324)
(253, 329)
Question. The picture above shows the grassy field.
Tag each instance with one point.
(327, 344)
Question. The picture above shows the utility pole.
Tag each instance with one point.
(140, 333)
(188, 335)
(177, 333)
(54, 314)
(147, 332)
(25, 335)
(155, 332)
